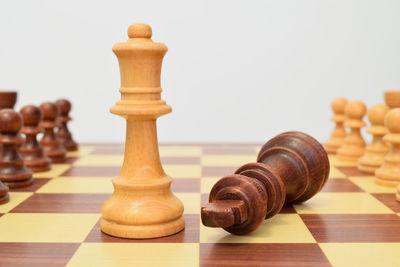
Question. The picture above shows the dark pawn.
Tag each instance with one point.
(63, 118)
(50, 143)
(292, 167)
(31, 151)
(12, 169)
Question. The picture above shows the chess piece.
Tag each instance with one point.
(392, 98)
(7, 100)
(52, 147)
(398, 193)
(377, 150)
(31, 151)
(4, 197)
(354, 145)
(63, 134)
(142, 205)
(12, 169)
(291, 167)
(389, 173)
(339, 133)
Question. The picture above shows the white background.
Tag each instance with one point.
(236, 71)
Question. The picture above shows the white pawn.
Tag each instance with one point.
(339, 133)
(377, 150)
(389, 173)
(354, 145)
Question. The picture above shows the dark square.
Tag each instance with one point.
(62, 203)
(340, 185)
(36, 254)
(353, 227)
(262, 255)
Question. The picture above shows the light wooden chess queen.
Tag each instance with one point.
(142, 205)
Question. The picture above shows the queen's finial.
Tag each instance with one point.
(139, 30)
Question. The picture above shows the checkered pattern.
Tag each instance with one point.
(352, 222)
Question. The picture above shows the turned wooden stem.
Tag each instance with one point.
(292, 167)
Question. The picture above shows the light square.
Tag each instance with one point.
(82, 151)
(191, 202)
(78, 185)
(367, 183)
(55, 171)
(342, 203)
(180, 151)
(227, 160)
(282, 228)
(100, 160)
(207, 183)
(183, 171)
(362, 254)
(15, 199)
(134, 254)
(336, 173)
(46, 227)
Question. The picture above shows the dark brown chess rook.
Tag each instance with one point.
(12, 169)
(63, 118)
(50, 142)
(31, 151)
(292, 167)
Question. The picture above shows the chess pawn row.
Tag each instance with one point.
(377, 150)
(339, 133)
(354, 145)
(389, 173)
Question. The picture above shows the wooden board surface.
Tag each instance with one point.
(55, 222)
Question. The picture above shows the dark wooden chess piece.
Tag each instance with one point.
(292, 167)
(7, 100)
(31, 151)
(63, 118)
(13, 172)
(4, 197)
(50, 143)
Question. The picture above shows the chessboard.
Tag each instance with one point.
(55, 222)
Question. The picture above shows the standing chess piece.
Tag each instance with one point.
(142, 205)
(63, 134)
(398, 193)
(31, 150)
(7, 100)
(354, 145)
(12, 169)
(377, 150)
(292, 167)
(51, 145)
(339, 133)
(389, 173)
(4, 197)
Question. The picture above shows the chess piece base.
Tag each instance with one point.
(57, 158)
(4, 199)
(330, 148)
(384, 182)
(20, 183)
(70, 146)
(387, 177)
(37, 165)
(142, 231)
(142, 209)
(367, 168)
